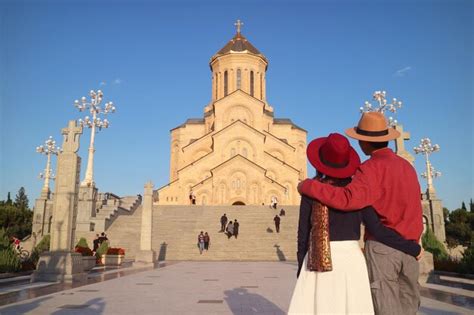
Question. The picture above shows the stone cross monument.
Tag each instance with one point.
(146, 254)
(61, 263)
(400, 144)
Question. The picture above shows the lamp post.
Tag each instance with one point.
(379, 97)
(93, 105)
(49, 148)
(426, 148)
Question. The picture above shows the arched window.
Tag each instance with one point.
(225, 83)
(238, 183)
(239, 79)
(251, 83)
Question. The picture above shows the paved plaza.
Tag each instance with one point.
(195, 288)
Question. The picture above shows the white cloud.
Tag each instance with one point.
(102, 83)
(117, 81)
(402, 72)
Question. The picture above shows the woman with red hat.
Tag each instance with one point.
(332, 273)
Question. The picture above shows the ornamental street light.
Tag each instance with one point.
(427, 149)
(93, 105)
(379, 97)
(434, 173)
(49, 148)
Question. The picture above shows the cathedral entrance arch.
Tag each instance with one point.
(238, 203)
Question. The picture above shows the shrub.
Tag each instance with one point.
(115, 251)
(42, 246)
(82, 243)
(467, 260)
(9, 260)
(434, 246)
(102, 250)
(84, 251)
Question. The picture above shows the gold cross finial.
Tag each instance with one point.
(238, 24)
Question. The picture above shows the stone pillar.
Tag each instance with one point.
(61, 263)
(40, 216)
(146, 255)
(86, 208)
(426, 267)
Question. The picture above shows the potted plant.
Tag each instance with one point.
(88, 259)
(113, 257)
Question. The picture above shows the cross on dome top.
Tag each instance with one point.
(238, 24)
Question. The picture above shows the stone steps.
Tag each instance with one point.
(178, 227)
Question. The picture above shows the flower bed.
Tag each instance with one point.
(114, 257)
(84, 251)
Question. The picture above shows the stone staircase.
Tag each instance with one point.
(109, 211)
(175, 230)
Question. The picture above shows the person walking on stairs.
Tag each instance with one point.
(201, 242)
(223, 222)
(207, 241)
(230, 229)
(277, 223)
(236, 228)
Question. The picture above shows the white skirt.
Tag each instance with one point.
(344, 290)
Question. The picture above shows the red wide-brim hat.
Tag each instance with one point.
(333, 156)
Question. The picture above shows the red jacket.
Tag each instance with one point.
(387, 182)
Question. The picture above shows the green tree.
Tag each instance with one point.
(21, 199)
(9, 200)
(471, 206)
(15, 221)
(463, 206)
(445, 214)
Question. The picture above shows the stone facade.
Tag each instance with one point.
(238, 153)
(433, 215)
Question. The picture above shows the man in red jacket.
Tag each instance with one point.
(390, 184)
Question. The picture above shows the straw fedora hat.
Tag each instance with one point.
(333, 156)
(373, 127)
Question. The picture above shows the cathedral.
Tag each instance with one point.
(238, 153)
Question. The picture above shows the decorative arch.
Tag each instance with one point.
(203, 196)
(273, 192)
(238, 144)
(238, 112)
(271, 173)
(279, 154)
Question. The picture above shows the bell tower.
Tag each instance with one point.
(238, 66)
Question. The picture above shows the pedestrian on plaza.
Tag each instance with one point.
(275, 204)
(389, 184)
(95, 242)
(272, 202)
(277, 223)
(236, 228)
(207, 241)
(223, 222)
(230, 230)
(282, 212)
(103, 238)
(329, 256)
(200, 241)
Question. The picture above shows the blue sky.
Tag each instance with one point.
(325, 59)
